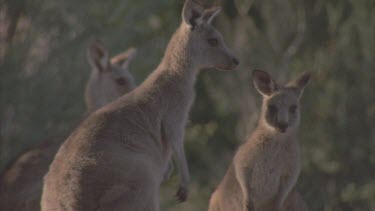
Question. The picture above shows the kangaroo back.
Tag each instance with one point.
(22, 181)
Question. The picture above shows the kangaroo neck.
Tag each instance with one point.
(177, 67)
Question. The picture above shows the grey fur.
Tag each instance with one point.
(21, 183)
(265, 169)
(116, 159)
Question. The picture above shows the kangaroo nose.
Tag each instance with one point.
(235, 61)
(282, 126)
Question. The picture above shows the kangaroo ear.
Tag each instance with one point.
(124, 59)
(263, 82)
(210, 14)
(192, 13)
(301, 82)
(98, 56)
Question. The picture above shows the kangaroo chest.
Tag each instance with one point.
(276, 163)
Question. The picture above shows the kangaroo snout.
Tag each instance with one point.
(282, 126)
(235, 61)
(232, 63)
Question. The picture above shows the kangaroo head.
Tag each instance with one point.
(280, 109)
(206, 46)
(110, 78)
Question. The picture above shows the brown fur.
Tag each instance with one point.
(265, 169)
(21, 183)
(115, 160)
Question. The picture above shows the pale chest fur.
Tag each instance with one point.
(273, 162)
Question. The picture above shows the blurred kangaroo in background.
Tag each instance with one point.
(110, 78)
(265, 169)
(116, 158)
(22, 182)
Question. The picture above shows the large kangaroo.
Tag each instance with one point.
(264, 171)
(22, 182)
(116, 158)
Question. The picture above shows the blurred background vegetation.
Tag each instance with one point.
(43, 70)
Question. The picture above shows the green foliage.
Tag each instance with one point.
(43, 70)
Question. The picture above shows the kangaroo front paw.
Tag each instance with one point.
(182, 194)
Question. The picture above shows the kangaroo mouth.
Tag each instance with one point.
(225, 68)
(282, 130)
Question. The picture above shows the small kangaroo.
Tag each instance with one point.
(22, 182)
(115, 160)
(265, 169)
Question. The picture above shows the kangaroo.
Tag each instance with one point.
(116, 158)
(110, 78)
(265, 169)
(22, 182)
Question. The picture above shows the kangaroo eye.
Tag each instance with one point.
(120, 81)
(213, 42)
(293, 109)
(272, 109)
